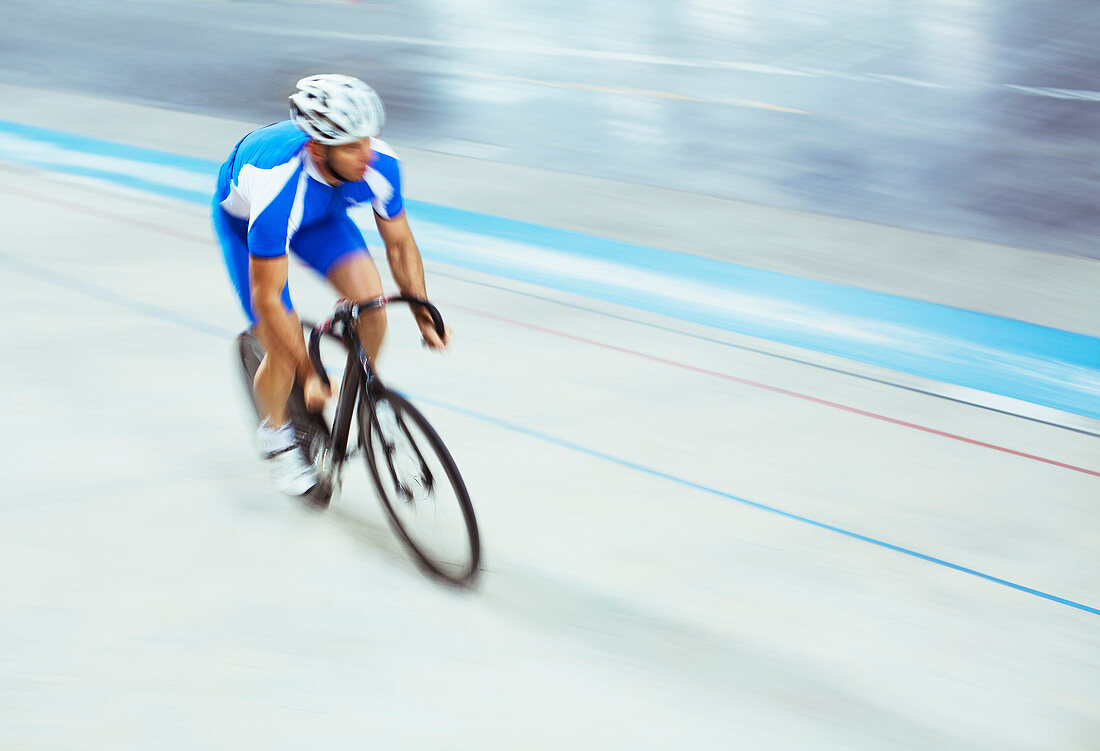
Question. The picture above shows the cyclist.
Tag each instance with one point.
(287, 187)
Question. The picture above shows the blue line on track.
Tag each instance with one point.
(194, 324)
(1053, 368)
(104, 295)
(729, 496)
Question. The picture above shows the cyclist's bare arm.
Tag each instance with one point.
(408, 271)
(267, 277)
(281, 332)
(402, 253)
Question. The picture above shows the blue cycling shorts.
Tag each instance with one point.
(321, 246)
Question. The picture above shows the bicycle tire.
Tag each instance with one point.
(311, 432)
(462, 572)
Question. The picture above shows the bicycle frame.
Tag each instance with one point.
(359, 379)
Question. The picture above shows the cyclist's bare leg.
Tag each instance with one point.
(275, 376)
(356, 277)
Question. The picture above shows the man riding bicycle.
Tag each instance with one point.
(287, 187)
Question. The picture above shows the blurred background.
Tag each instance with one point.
(960, 117)
(776, 380)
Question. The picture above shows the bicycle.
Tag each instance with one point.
(399, 445)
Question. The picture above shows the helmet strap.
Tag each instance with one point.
(331, 168)
(320, 154)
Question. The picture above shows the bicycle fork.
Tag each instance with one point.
(389, 436)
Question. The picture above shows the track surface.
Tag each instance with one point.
(686, 542)
(693, 538)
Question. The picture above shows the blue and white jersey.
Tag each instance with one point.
(271, 182)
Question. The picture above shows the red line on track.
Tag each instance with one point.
(205, 240)
(605, 345)
(777, 390)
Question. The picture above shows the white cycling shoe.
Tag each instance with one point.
(288, 467)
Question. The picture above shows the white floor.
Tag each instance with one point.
(160, 595)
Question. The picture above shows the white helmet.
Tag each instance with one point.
(334, 109)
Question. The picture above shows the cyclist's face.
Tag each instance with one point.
(349, 161)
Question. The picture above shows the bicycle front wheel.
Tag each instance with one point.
(420, 487)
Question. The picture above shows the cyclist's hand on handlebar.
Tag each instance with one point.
(315, 393)
(431, 336)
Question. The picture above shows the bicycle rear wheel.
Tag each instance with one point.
(311, 432)
(420, 487)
